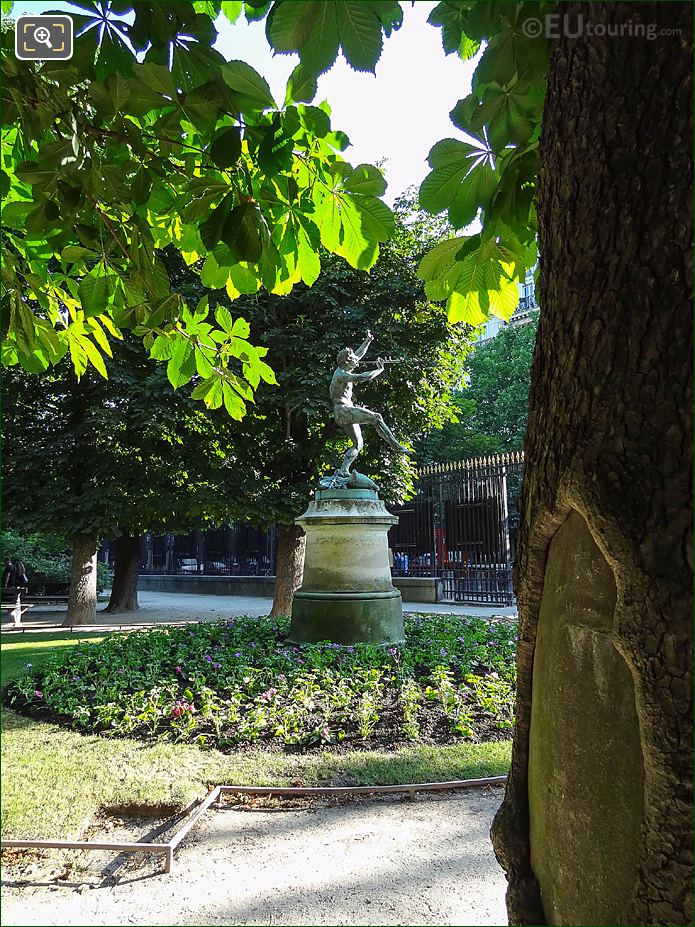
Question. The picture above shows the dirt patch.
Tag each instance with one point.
(322, 862)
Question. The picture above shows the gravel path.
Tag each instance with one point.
(376, 861)
(181, 606)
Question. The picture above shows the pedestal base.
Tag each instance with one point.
(347, 596)
(347, 617)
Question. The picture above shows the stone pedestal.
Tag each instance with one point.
(347, 596)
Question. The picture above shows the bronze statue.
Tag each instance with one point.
(349, 416)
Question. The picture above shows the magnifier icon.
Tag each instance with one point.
(43, 35)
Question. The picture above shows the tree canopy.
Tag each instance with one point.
(492, 410)
(109, 156)
(101, 457)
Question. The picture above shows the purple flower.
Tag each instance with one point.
(351, 650)
(237, 654)
(252, 644)
(461, 640)
(75, 678)
(393, 651)
(178, 669)
(217, 666)
(208, 658)
(443, 652)
(38, 693)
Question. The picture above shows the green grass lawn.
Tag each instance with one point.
(54, 780)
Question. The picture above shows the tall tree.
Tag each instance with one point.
(108, 458)
(596, 826)
(108, 157)
(604, 576)
(492, 409)
(288, 438)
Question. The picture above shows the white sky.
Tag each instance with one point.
(396, 116)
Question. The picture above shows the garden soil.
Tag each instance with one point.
(364, 861)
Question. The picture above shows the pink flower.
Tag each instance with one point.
(181, 707)
(38, 693)
(178, 669)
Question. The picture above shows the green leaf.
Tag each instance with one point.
(212, 275)
(251, 88)
(241, 328)
(308, 261)
(203, 388)
(181, 366)
(78, 355)
(212, 230)
(225, 149)
(74, 253)
(358, 249)
(214, 396)
(112, 95)
(242, 279)
(94, 292)
(377, 219)
(245, 232)
(231, 9)
(157, 78)
(223, 317)
(94, 357)
(141, 186)
(301, 86)
(360, 34)
(235, 406)
(315, 120)
(462, 180)
(475, 191)
(310, 29)
(439, 267)
(163, 347)
(365, 179)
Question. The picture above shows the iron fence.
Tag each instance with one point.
(461, 528)
(235, 550)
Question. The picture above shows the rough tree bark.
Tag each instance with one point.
(609, 433)
(289, 569)
(82, 602)
(124, 590)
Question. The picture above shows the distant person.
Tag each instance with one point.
(20, 576)
(8, 574)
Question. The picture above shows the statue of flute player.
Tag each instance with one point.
(348, 415)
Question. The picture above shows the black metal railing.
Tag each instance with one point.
(235, 550)
(461, 528)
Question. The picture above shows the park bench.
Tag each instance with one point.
(44, 594)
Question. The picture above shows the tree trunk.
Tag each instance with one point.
(124, 591)
(289, 569)
(604, 572)
(82, 603)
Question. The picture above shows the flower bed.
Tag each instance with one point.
(230, 684)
